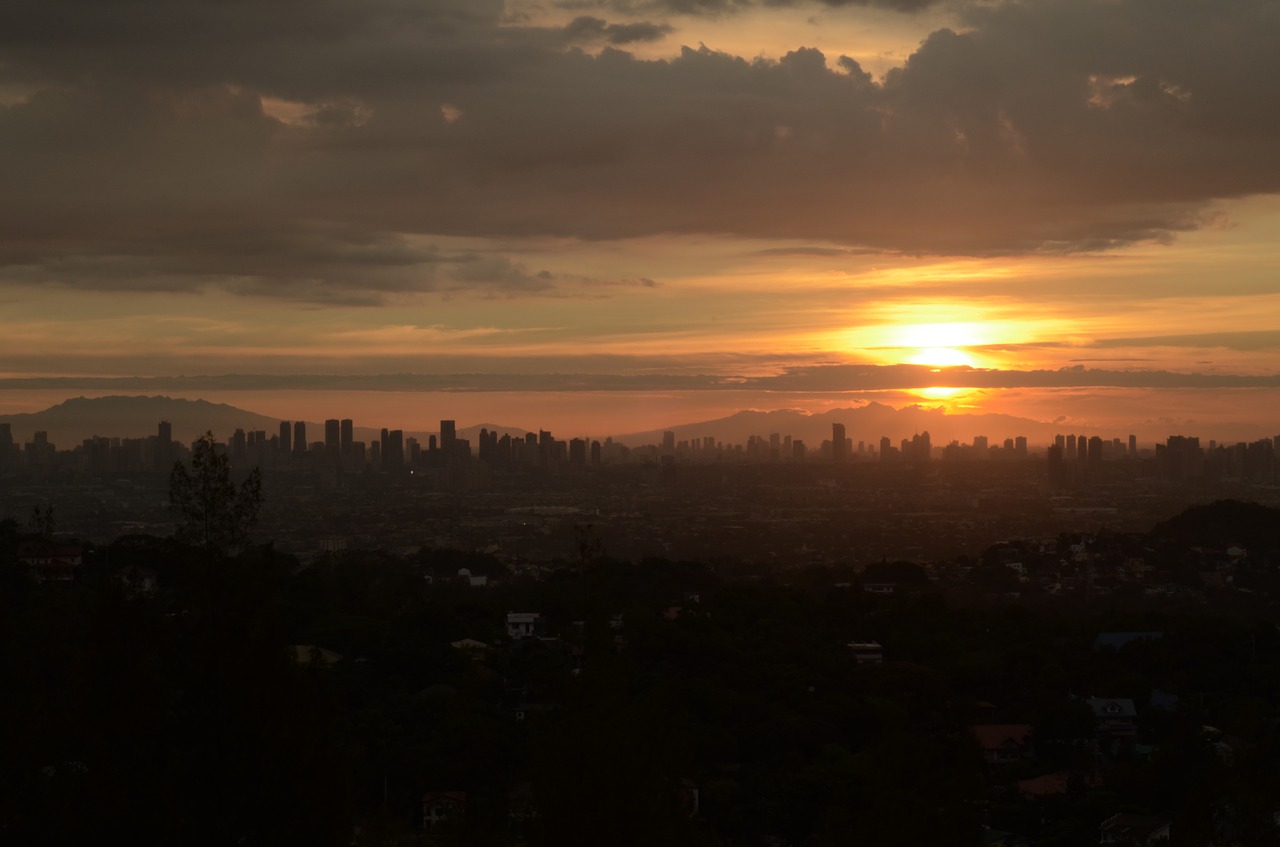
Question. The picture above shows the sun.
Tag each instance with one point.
(939, 345)
(940, 392)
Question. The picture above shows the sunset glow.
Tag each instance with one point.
(941, 357)
(813, 200)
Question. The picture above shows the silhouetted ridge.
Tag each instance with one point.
(1222, 523)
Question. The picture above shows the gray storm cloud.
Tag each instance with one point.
(299, 144)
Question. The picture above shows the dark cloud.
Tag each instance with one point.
(821, 252)
(587, 29)
(1257, 340)
(303, 146)
(896, 5)
(724, 7)
(561, 375)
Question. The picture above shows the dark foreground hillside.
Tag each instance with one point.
(168, 696)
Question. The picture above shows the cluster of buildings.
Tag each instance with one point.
(1071, 458)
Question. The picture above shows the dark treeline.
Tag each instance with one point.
(258, 699)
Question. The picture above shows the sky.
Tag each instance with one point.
(611, 215)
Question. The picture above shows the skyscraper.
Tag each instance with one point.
(837, 442)
(332, 438)
(347, 437)
(448, 437)
(286, 438)
(393, 450)
(164, 446)
(300, 437)
(1094, 453)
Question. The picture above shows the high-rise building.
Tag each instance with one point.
(448, 436)
(299, 436)
(164, 446)
(921, 447)
(332, 438)
(286, 438)
(1133, 446)
(1057, 474)
(347, 436)
(837, 442)
(1095, 452)
(668, 442)
(392, 449)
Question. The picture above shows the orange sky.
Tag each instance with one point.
(636, 192)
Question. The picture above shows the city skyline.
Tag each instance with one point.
(113, 419)
(656, 212)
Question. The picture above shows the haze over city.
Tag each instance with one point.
(613, 216)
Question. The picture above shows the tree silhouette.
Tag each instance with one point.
(212, 512)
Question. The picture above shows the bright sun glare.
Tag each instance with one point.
(939, 345)
(938, 392)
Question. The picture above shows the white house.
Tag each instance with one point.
(523, 624)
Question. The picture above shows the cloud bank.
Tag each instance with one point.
(306, 149)
(805, 380)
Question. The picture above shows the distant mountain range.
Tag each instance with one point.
(70, 422)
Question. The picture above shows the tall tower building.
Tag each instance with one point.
(448, 437)
(1094, 453)
(286, 438)
(164, 446)
(300, 436)
(332, 438)
(837, 442)
(392, 449)
(6, 444)
(347, 437)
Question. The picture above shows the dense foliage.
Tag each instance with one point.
(188, 715)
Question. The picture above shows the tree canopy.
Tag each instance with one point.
(212, 512)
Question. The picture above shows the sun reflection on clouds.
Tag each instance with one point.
(940, 392)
